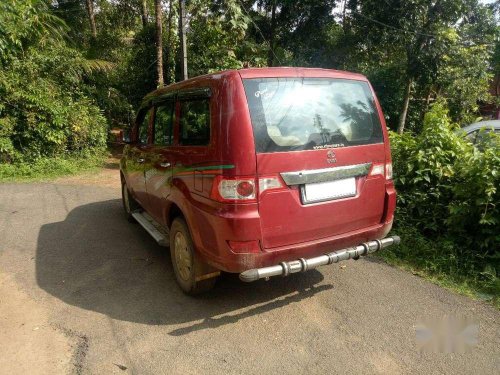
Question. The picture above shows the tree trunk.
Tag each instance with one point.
(182, 37)
(144, 13)
(90, 11)
(406, 103)
(270, 56)
(159, 45)
(169, 39)
(344, 28)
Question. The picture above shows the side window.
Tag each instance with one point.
(194, 124)
(164, 120)
(143, 126)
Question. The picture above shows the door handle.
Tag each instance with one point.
(140, 160)
(165, 164)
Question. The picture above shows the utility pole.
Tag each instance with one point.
(182, 37)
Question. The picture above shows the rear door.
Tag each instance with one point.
(137, 155)
(160, 159)
(322, 138)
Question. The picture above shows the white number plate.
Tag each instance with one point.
(330, 190)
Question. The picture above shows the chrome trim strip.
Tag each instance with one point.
(324, 175)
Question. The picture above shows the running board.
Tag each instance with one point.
(156, 231)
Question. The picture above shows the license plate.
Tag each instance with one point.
(324, 191)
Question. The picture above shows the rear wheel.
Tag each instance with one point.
(129, 203)
(189, 270)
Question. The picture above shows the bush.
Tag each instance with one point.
(448, 201)
(41, 111)
(44, 109)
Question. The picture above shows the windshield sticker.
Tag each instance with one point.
(264, 94)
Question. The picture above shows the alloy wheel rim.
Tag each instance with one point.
(182, 256)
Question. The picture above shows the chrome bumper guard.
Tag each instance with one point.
(303, 265)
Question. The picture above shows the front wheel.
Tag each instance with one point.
(188, 268)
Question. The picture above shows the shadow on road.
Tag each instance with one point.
(96, 260)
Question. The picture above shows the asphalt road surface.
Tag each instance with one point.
(83, 291)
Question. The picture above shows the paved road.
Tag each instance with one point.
(83, 291)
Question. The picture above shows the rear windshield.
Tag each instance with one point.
(293, 114)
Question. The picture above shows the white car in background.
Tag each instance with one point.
(476, 132)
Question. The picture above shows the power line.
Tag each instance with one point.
(260, 32)
(412, 32)
(392, 27)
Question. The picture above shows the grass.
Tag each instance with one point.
(50, 168)
(442, 263)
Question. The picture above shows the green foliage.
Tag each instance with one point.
(443, 47)
(443, 261)
(44, 111)
(47, 114)
(48, 168)
(24, 23)
(448, 200)
(216, 39)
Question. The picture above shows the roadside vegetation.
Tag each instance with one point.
(448, 211)
(71, 70)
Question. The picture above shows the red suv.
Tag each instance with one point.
(262, 172)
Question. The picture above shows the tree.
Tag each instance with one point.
(413, 36)
(90, 11)
(144, 13)
(159, 42)
(168, 70)
(272, 34)
(45, 109)
(217, 37)
(182, 39)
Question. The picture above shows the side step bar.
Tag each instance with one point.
(303, 265)
(152, 227)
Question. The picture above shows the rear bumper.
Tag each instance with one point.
(303, 265)
(214, 228)
(229, 261)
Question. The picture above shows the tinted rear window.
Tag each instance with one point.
(293, 114)
(195, 123)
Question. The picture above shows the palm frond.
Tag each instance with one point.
(91, 66)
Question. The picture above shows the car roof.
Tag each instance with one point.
(491, 124)
(248, 73)
(298, 72)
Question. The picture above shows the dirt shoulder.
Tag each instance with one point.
(107, 176)
(32, 344)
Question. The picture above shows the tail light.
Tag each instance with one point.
(242, 189)
(233, 189)
(268, 183)
(382, 169)
(388, 171)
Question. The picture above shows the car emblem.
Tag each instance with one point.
(331, 157)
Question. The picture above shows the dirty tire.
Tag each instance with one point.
(185, 262)
(129, 203)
